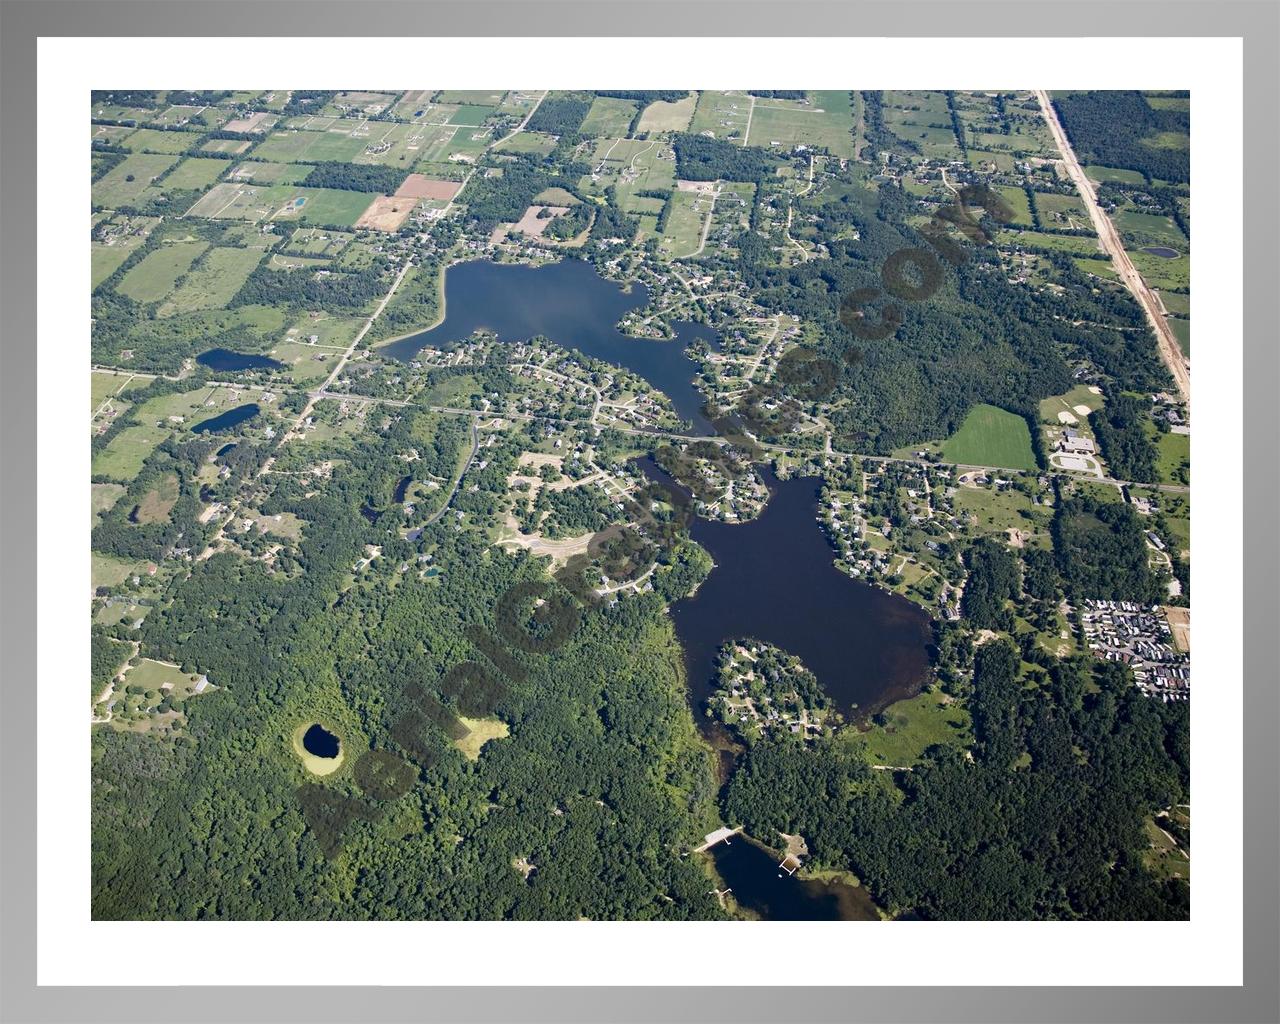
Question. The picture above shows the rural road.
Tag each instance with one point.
(1170, 351)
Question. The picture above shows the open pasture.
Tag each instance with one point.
(723, 114)
(237, 147)
(991, 437)
(609, 117)
(213, 281)
(195, 173)
(154, 277)
(261, 173)
(683, 232)
(322, 206)
(528, 142)
(130, 178)
(232, 200)
(153, 140)
(661, 116)
(824, 121)
(1098, 173)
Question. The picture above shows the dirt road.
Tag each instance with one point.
(1170, 351)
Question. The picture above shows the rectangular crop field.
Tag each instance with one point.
(723, 114)
(825, 121)
(661, 116)
(991, 437)
(195, 173)
(609, 117)
(153, 140)
(231, 200)
(130, 178)
(261, 173)
(153, 278)
(214, 281)
(324, 206)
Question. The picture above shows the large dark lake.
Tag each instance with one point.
(573, 306)
(774, 580)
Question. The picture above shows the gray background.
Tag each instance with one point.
(22, 22)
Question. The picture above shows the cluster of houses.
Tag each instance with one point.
(1140, 637)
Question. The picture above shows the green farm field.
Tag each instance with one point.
(195, 172)
(154, 277)
(991, 437)
(661, 116)
(129, 179)
(153, 140)
(609, 117)
(213, 281)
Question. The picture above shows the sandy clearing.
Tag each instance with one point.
(387, 213)
(1083, 410)
(1066, 417)
(419, 186)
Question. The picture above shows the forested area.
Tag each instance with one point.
(699, 158)
(978, 338)
(268, 286)
(1121, 431)
(1046, 822)
(214, 824)
(1115, 128)
(355, 177)
(992, 584)
(1102, 552)
(561, 114)
(492, 201)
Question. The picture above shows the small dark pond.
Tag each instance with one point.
(226, 359)
(227, 420)
(573, 306)
(401, 488)
(1163, 251)
(226, 448)
(320, 742)
(758, 884)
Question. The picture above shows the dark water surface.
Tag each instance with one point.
(758, 884)
(320, 741)
(225, 421)
(573, 306)
(774, 580)
(1163, 251)
(227, 360)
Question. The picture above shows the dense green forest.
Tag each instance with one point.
(1117, 128)
(1102, 552)
(595, 801)
(1046, 822)
(560, 114)
(699, 158)
(1119, 428)
(355, 177)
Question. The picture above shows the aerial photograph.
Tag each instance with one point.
(640, 505)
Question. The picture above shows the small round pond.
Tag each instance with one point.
(319, 749)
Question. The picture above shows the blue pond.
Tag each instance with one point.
(229, 359)
(573, 306)
(224, 421)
